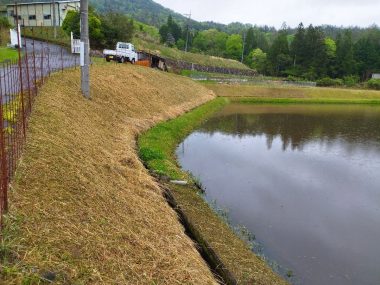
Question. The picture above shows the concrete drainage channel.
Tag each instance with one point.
(205, 250)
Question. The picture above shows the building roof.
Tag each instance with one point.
(44, 2)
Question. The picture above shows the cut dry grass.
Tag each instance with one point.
(308, 95)
(235, 254)
(83, 208)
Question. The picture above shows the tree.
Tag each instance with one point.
(234, 46)
(345, 54)
(279, 54)
(72, 23)
(331, 56)
(95, 22)
(117, 28)
(4, 33)
(211, 42)
(95, 30)
(258, 60)
(298, 47)
(367, 54)
(171, 30)
(316, 53)
(250, 41)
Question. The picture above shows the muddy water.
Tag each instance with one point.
(304, 179)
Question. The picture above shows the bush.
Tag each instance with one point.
(4, 32)
(328, 82)
(351, 80)
(292, 78)
(373, 84)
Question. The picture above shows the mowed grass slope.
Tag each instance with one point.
(277, 94)
(83, 209)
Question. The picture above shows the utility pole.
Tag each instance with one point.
(188, 30)
(54, 20)
(84, 49)
(242, 53)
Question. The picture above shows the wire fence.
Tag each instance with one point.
(20, 82)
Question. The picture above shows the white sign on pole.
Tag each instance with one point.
(75, 44)
(14, 40)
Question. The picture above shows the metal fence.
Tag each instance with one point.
(20, 81)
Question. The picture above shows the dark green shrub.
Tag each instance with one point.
(351, 80)
(329, 82)
(373, 84)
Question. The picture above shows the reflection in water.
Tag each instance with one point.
(304, 179)
(296, 127)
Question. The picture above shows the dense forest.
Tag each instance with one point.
(313, 53)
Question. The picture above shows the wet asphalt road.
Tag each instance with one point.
(39, 60)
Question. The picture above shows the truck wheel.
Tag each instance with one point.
(108, 59)
(133, 61)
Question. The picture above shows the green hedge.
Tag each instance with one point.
(373, 84)
(327, 82)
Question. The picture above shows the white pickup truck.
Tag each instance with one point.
(124, 52)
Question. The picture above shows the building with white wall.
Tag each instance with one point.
(37, 14)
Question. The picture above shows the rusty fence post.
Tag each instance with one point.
(26, 59)
(4, 171)
(42, 63)
(34, 65)
(62, 66)
(20, 71)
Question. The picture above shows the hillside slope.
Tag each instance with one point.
(83, 208)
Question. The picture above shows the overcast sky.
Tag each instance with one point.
(275, 12)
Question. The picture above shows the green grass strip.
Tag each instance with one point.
(157, 146)
(8, 54)
(248, 100)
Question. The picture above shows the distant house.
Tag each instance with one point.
(376, 76)
(37, 14)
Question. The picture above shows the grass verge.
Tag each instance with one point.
(250, 100)
(211, 232)
(8, 54)
(276, 94)
(156, 146)
(47, 34)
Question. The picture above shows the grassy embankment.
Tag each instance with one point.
(157, 150)
(308, 95)
(47, 34)
(8, 54)
(83, 208)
